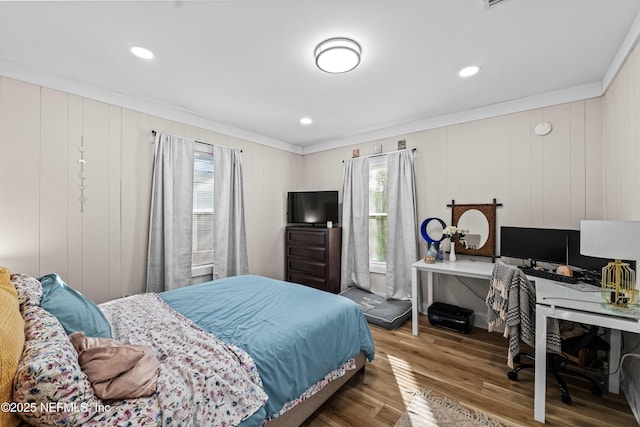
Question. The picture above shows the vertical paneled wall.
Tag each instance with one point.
(541, 181)
(621, 155)
(20, 162)
(622, 142)
(101, 250)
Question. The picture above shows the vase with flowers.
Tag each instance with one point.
(454, 234)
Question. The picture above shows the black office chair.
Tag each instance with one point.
(559, 364)
(519, 312)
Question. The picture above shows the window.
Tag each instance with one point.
(378, 210)
(202, 246)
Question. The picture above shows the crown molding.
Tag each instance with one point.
(576, 93)
(30, 75)
(625, 49)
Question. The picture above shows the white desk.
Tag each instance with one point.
(553, 299)
(561, 302)
(463, 268)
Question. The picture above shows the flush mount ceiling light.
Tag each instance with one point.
(337, 55)
(141, 52)
(469, 71)
(306, 120)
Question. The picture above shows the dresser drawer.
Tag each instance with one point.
(309, 267)
(312, 256)
(313, 253)
(305, 238)
(313, 281)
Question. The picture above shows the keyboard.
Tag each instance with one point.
(544, 274)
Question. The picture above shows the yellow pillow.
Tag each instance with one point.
(5, 282)
(12, 339)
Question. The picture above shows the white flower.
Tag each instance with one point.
(453, 233)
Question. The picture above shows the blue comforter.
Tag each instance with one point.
(295, 334)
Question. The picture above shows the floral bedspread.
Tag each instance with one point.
(203, 381)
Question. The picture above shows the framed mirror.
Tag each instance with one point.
(480, 220)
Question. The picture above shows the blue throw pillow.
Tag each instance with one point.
(72, 309)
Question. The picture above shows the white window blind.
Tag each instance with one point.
(203, 209)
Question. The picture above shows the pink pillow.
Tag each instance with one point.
(116, 370)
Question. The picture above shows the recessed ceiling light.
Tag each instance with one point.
(337, 55)
(469, 71)
(141, 52)
(306, 121)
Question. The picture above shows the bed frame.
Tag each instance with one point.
(296, 415)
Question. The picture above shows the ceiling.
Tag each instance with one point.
(247, 67)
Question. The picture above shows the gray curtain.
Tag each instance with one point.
(230, 247)
(355, 225)
(169, 253)
(402, 244)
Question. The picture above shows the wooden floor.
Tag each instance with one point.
(470, 369)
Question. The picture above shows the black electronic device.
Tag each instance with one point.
(312, 207)
(544, 274)
(450, 317)
(537, 244)
(584, 262)
(576, 259)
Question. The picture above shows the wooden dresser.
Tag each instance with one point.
(313, 256)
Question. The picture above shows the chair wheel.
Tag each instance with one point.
(516, 359)
(512, 375)
(596, 390)
(566, 399)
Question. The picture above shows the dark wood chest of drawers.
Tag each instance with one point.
(313, 256)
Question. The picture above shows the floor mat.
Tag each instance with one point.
(388, 314)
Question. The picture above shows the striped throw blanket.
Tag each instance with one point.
(511, 303)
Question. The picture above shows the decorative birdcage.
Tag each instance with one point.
(618, 284)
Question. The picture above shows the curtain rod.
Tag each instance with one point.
(384, 154)
(154, 133)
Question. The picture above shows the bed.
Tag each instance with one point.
(245, 350)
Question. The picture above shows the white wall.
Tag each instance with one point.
(102, 251)
(622, 177)
(551, 181)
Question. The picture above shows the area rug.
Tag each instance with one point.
(430, 411)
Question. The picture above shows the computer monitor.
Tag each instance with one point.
(537, 244)
(584, 262)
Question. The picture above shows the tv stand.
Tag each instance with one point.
(312, 256)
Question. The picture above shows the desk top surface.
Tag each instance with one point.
(463, 267)
(558, 294)
(548, 292)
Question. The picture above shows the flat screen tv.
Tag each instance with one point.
(312, 207)
(537, 244)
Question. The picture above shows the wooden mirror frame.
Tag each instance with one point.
(489, 211)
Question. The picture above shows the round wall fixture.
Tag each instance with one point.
(542, 128)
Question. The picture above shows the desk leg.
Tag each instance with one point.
(614, 361)
(415, 300)
(429, 288)
(540, 387)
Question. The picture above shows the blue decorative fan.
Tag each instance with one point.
(424, 232)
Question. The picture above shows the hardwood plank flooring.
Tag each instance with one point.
(470, 369)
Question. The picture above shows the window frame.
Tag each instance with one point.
(375, 266)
